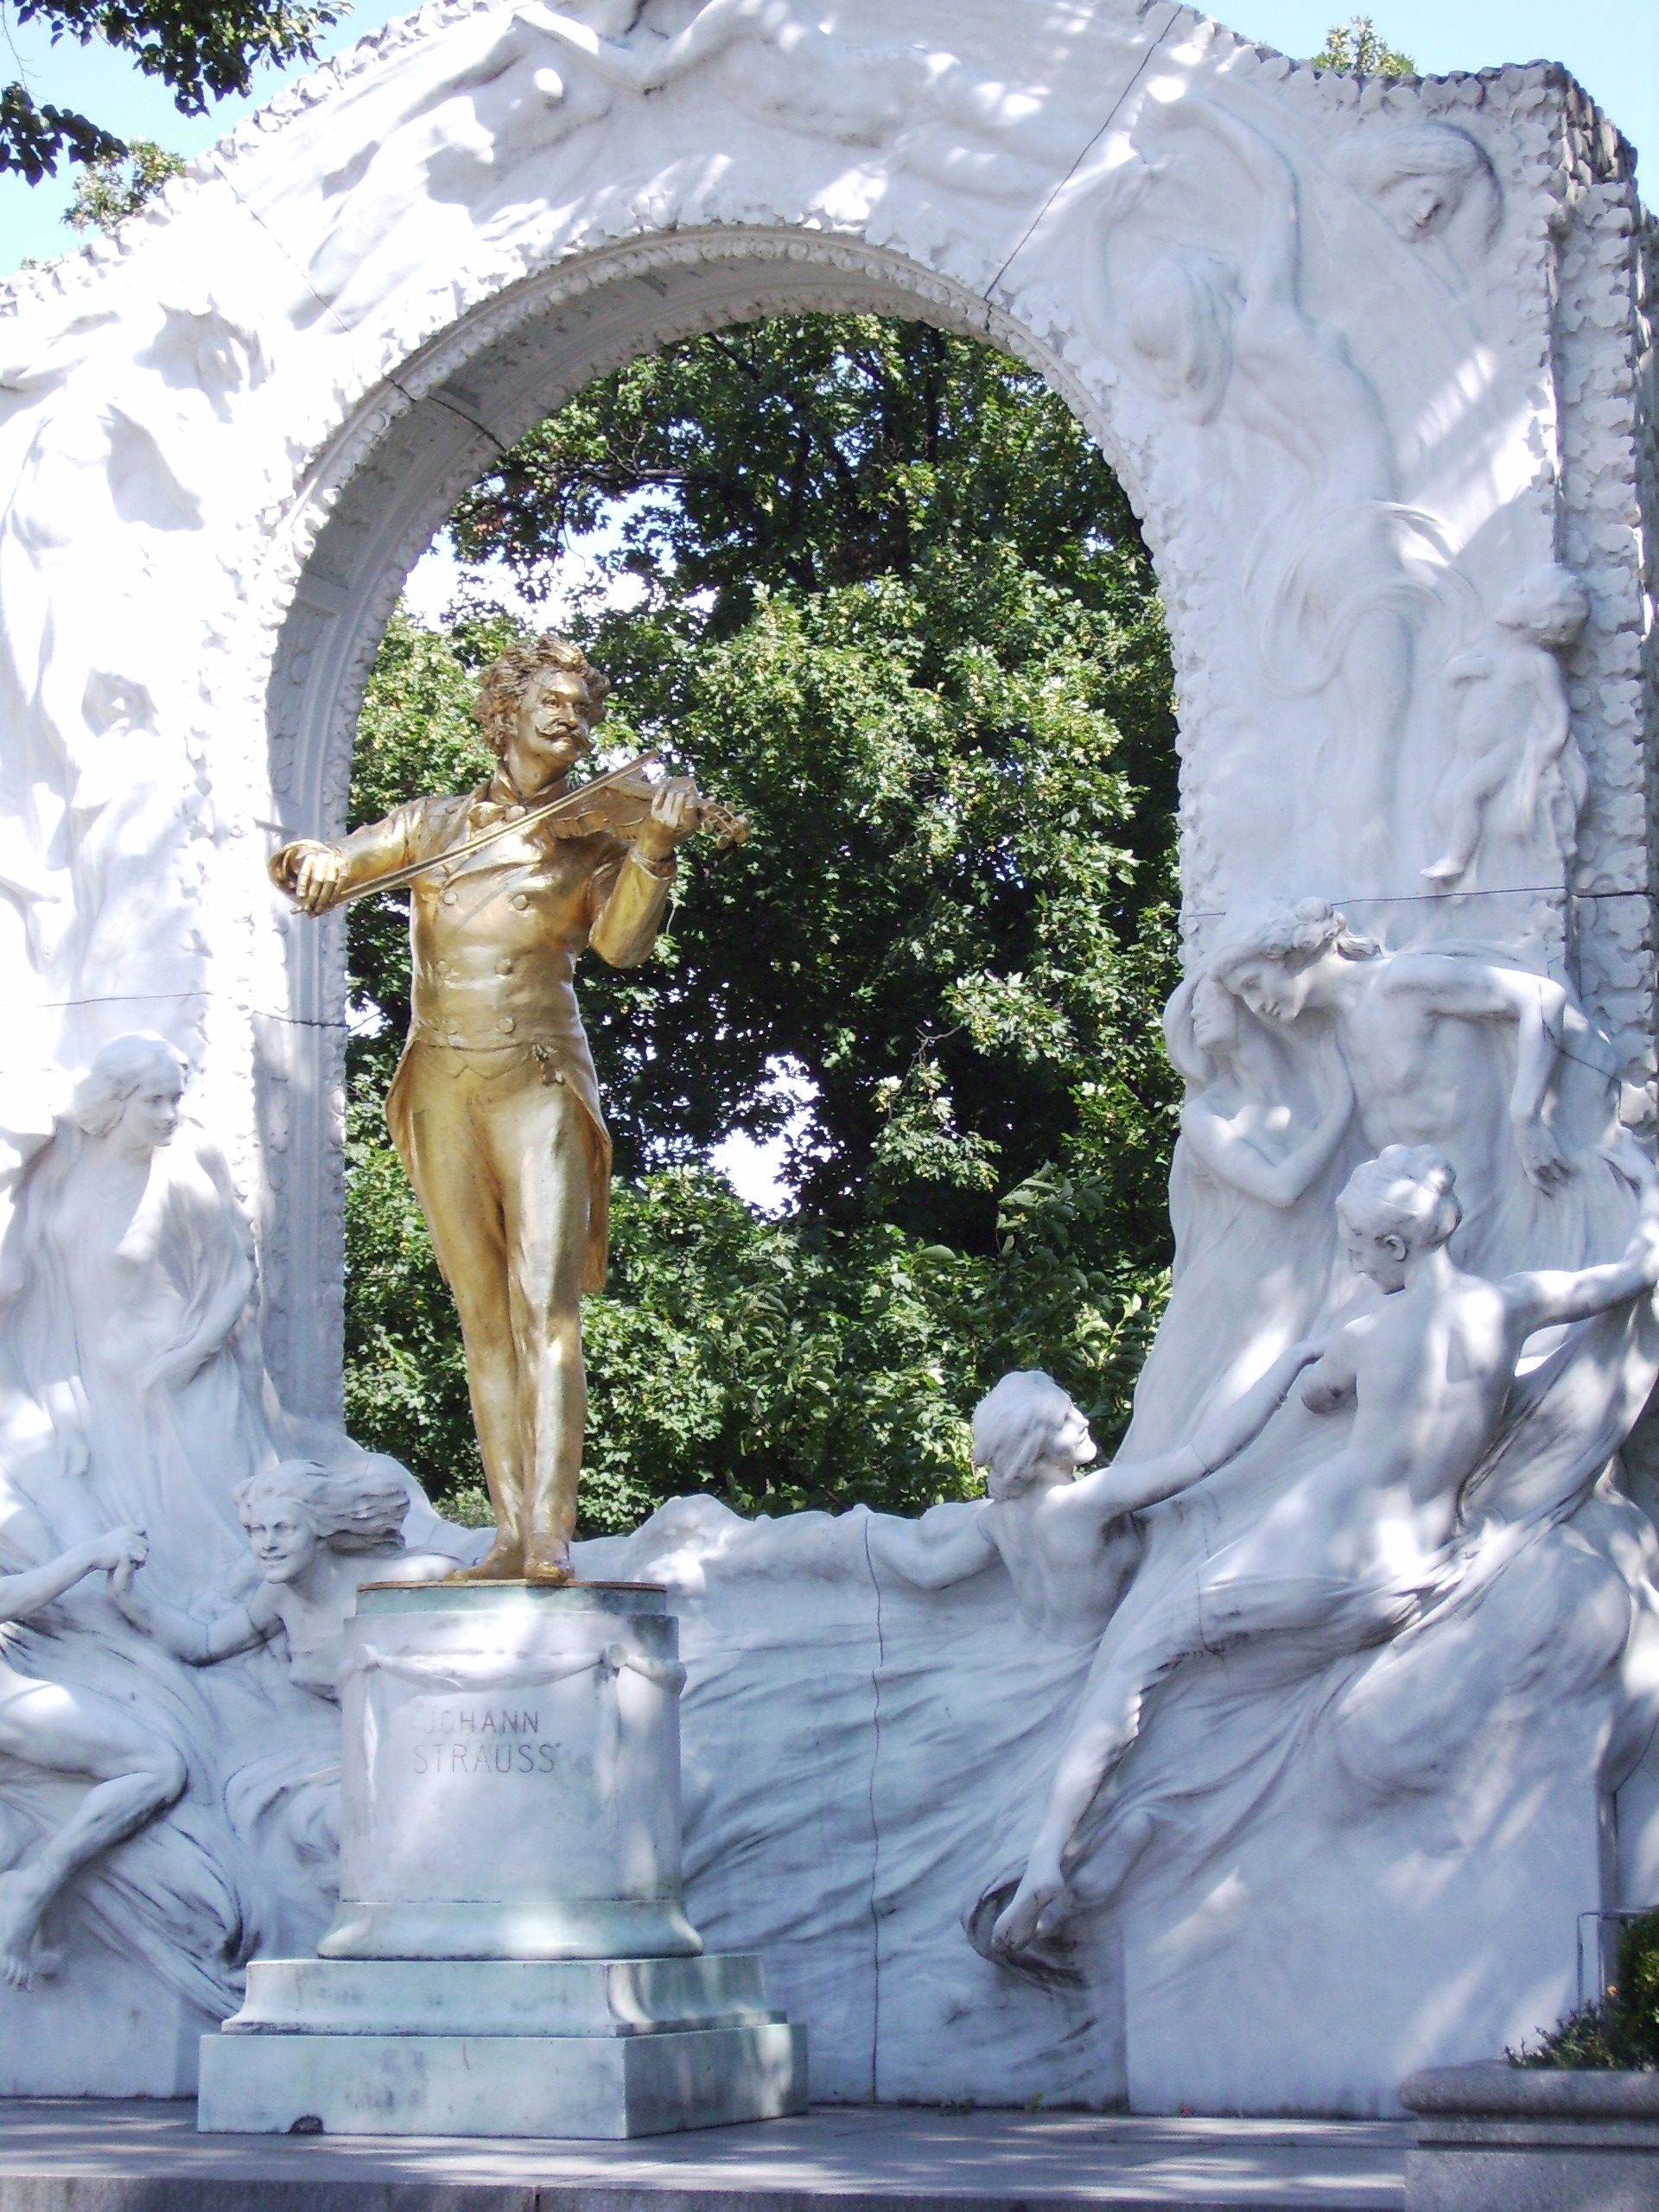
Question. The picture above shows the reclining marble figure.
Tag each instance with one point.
(1357, 1544)
(135, 1773)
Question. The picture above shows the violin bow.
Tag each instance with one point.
(394, 879)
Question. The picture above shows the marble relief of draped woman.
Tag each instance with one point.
(131, 1279)
(1342, 574)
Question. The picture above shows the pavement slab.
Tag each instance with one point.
(69, 2155)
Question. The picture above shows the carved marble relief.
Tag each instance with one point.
(1366, 358)
(139, 1435)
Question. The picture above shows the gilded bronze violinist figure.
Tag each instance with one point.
(495, 1109)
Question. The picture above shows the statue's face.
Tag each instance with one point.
(1378, 1254)
(1417, 207)
(1215, 1017)
(284, 1541)
(554, 725)
(151, 1114)
(1271, 988)
(1074, 1444)
(1069, 1446)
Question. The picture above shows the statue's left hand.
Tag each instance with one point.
(671, 820)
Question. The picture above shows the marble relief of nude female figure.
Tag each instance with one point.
(1346, 1554)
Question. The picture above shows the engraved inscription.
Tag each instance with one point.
(482, 1740)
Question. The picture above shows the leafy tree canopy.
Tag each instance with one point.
(110, 190)
(200, 49)
(1356, 45)
(891, 601)
(896, 607)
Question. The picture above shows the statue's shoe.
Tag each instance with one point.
(503, 1562)
(548, 1563)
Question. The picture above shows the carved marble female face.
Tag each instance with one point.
(1376, 1252)
(1271, 988)
(283, 1540)
(149, 1116)
(1418, 206)
(1074, 1446)
(1047, 1446)
(1215, 1017)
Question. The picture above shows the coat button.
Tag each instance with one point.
(520, 902)
(504, 966)
(447, 898)
(508, 1023)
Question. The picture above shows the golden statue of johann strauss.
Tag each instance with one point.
(494, 1109)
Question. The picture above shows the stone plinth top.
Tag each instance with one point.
(1496, 2089)
(493, 1597)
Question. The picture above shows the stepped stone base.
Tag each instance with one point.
(590, 2049)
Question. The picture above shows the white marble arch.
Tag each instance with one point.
(1365, 355)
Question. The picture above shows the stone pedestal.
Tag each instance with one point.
(511, 1954)
(1495, 2137)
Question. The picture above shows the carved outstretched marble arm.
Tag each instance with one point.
(198, 1643)
(1548, 1296)
(1275, 265)
(24, 1594)
(1121, 1487)
(934, 1552)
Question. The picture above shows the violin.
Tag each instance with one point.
(616, 804)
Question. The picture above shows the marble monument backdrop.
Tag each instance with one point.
(1369, 359)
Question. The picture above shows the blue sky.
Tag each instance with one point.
(1611, 46)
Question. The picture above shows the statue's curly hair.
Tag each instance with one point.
(1294, 935)
(1406, 1191)
(502, 684)
(1015, 1425)
(358, 1507)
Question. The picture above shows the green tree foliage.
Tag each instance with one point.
(894, 607)
(897, 609)
(200, 49)
(1621, 2030)
(1357, 47)
(110, 190)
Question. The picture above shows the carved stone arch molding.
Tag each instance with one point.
(1366, 356)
